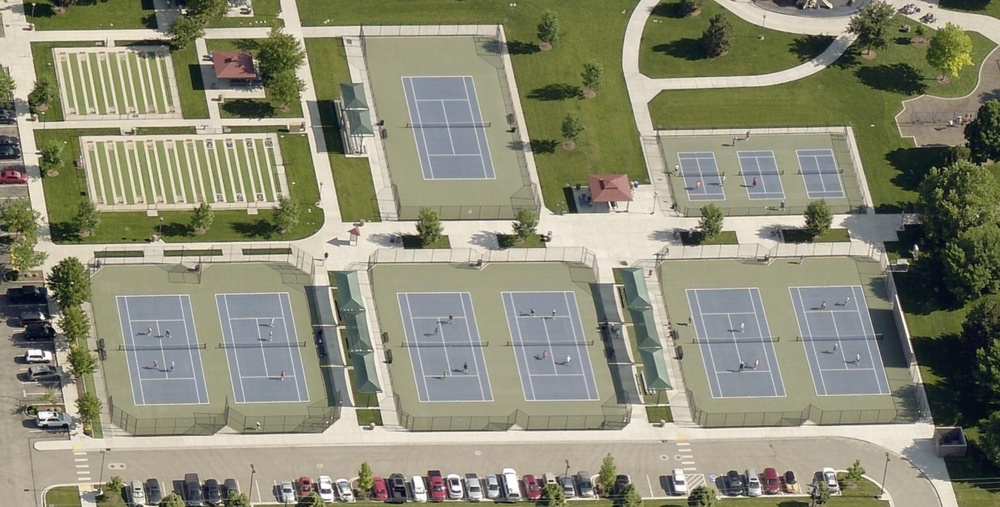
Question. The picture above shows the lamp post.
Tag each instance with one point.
(567, 468)
(762, 23)
(253, 471)
(886, 470)
(159, 231)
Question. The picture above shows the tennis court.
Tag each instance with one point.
(162, 350)
(820, 173)
(448, 127)
(442, 335)
(702, 179)
(761, 176)
(262, 349)
(550, 346)
(736, 343)
(840, 342)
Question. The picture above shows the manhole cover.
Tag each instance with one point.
(116, 466)
(678, 457)
(664, 457)
(479, 453)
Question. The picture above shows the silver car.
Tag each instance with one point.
(569, 489)
(584, 484)
(473, 489)
(286, 492)
(492, 487)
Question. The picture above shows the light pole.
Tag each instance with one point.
(886, 470)
(762, 23)
(159, 232)
(567, 468)
(253, 471)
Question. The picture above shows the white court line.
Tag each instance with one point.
(413, 330)
(232, 336)
(515, 334)
(168, 379)
(584, 375)
(808, 332)
(581, 347)
(468, 100)
(130, 332)
(760, 331)
(286, 321)
(711, 354)
(135, 355)
(480, 357)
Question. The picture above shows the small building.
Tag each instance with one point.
(234, 68)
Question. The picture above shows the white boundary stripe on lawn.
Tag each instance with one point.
(100, 69)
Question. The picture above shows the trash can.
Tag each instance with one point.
(680, 352)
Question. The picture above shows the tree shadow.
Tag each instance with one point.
(247, 44)
(688, 49)
(555, 91)
(258, 229)
(40, 9)
(64, 232)
(920, 289)
(176, 230)
(516, 47)
(913, 164)
(808, 47)
(668, 10)
(149, 21)
(847, 60)
(544, 146)
(194, 71)
(894, 78)
(964, 5)
(953, 396)
(491, 46)
(330, 127)
(249, 108)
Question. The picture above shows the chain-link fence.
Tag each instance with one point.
(761, 253)
(612, 416)
(193, 261)
(902, 414)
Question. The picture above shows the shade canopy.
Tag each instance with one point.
(609, 187)
(636, 292)
(348, 291)
(365, 372)
(654, 368)
(233, 65)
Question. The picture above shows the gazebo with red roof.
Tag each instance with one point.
(610, 187)
(234, 66)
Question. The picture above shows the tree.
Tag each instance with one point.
(202, 218)
(572, 128)
(950, 50)
(89, 406)
(593, 76)
(313, 500)
(711, 221)
(607, 474)
(872, 25)
(18, 217)
(630, 498)
(548, 29)
(365, 480)
(956, 198)
(42, 94)
(69, 282)
(285, 88)
(821, 494)
(286, 215)
(75, 323)
(717, 39)
(525, 224)
(87, 218)
(111, 491)
(185, 30)
(279, 52)
(207, 8)
(175, 500)
(429, 227)
(702, 496)
(237, 499)
(983, 133)
(553, 496)
(51, 159)
(24, 256)
(989, 437)
(982, 324)
(81, 361)
(972, 262)
(7, 86)
(855, 472)
(819, 218)
(689, 8)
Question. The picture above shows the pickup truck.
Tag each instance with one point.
(436, 486)
(27, 295)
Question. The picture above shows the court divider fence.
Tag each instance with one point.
(192, 261)
(756, 252)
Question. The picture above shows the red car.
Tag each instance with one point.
(379, 492)
(305, 487)
(531, 488)
(437, 490)
(12, 176)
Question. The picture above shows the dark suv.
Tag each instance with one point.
(397, 488)
(734, 483)
(39, 332)
(193, 495)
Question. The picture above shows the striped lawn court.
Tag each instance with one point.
(230, 171)
(115, 83)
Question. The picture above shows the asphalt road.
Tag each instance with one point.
(647, 464)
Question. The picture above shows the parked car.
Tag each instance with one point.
(569, 489)
(230, 486)
(830, 477)
(734, 483)
(455, 491)
(419, 489)
(12, 177)
(28, 295)
(436, 486)
(42, 372)
(791, 483)
(473, 488)
(509, 485)
(154, 493)
(286, 492)
(397, 488)
(37, 356)
(39, 332)
(679, 483)
(584, 484)
(548, 479)
(9, 141)
(305, 487)
(380, 493)
(754, 487)
(213, 492)
(7, 117)
(532, 491)
(324, 485)
(193, 495)
(32, 317)
(493, 487)
(136, 493)
(53, 419)
(772, 485)
(344, 492)
(9, 153)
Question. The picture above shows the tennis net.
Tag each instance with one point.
(262, 345)
(876, 337)
(162, 346)
(766, 339)
(588, 343)
(473, 125)
(835, 171)
(703, 174)
(446, 345)
(775, 172)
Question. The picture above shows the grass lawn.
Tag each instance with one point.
(191, 88)
(412, 242)
(265, 13)
(64, 192)
(63, 496)
(724, 238)
(41, 54)
(548, 82)
(671, 45)
(511, 241)
(657, 414)
(250, 108)
(368, 416)
(106, 14)
(984, 7)
(351, 175)
(854, 91)
(830, 236)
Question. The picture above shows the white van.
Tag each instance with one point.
(419, 489)
(511, 488)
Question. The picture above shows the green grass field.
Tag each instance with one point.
(671, 45)
(63, 496)
(190, 85)
(64, 192)
(548, 82)
(92, 81)
(351, 175)
(41, 55)
(854, 91)
(265, 14)
(107, 14)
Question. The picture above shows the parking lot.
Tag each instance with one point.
(9, 191)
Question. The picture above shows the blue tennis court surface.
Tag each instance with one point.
(820, 173)
(736, 343)
(549, 346)
(265, 360)
(445, 347)
(840, 342)
(760, 173)
(448, 128)
(702, 179)
(161, 349)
